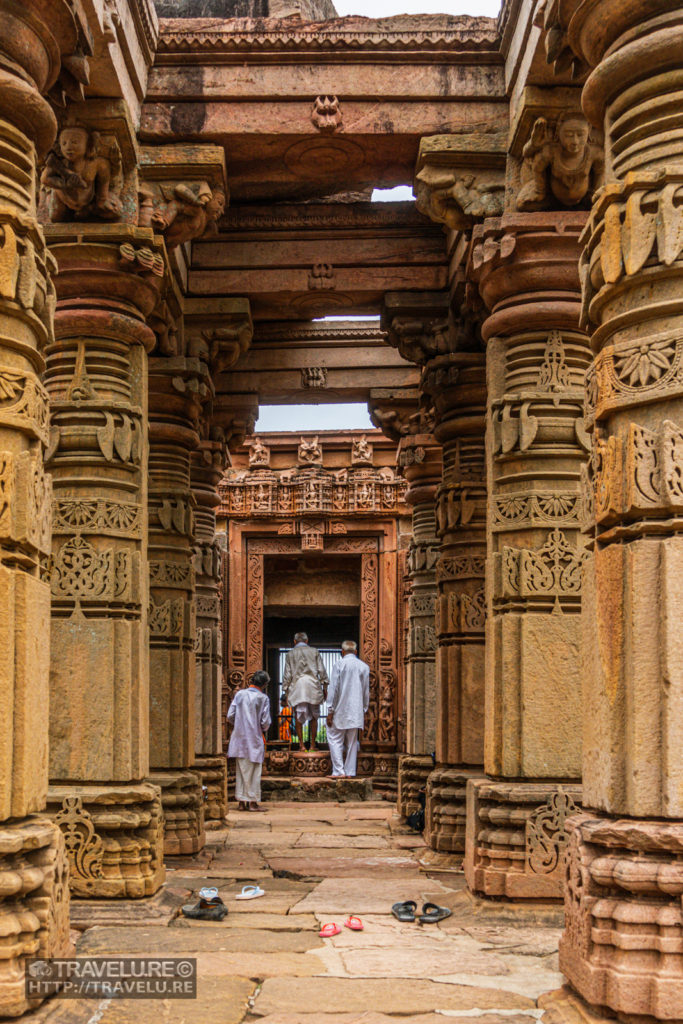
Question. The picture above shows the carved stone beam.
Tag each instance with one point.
(183, 191)
(461, 178)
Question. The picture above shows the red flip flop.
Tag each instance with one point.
(354, 923)
(328, 930)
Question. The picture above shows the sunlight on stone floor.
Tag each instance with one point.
(487, 963)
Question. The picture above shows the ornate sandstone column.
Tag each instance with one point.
(453, 381)
(526, 265)
(219, 332)
(110, 275)
(34, 891)
(177, 387)
(107, 283)
(420, 458)
(622, 950)
(207, 466)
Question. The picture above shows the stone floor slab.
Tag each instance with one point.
(284, 995)
(257, 965)
(181, 938)
(219, 1001)
(367, 894)
(342, 867)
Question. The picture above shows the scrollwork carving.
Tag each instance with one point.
(552, 570)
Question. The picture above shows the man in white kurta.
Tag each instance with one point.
(348, 698)
(304, 686)
(249, 716)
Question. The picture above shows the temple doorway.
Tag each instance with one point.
(325, 632)
(320, 547)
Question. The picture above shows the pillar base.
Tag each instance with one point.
(622, 948)
(183, 807)
(564, 1007)
(413, 772)
(445, 813)
(516, 837)
(34, 905)
(214, 775)
(113, 838)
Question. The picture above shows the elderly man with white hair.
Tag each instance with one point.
(348, 698)
(304, 687)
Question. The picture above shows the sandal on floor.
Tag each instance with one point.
(405, 911)
(250, 892)
(209, 906)
(432, 913)
(354, 923)
(328, 930)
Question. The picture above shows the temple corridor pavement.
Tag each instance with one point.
(320, 862)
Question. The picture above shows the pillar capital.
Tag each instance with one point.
(526, 268)
(419, 460)
(45, 47)
(116, 269)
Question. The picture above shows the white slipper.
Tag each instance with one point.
(250, 892)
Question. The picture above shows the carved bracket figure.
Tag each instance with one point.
(562, 167)
(456, 200)
(190, 211)
(82, 176)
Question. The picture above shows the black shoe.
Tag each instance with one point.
(209, 906)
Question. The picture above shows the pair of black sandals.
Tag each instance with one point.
(209, 906)
(432, 913)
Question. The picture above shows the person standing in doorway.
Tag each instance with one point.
(348, 700)
(249, 717)
(304, 687)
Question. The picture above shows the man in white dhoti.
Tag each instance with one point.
(347, 704)
(304, 686)
(249, 716)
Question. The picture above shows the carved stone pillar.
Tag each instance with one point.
(453, 384)
(457, 386)
(420, 458)
(207, 465)
(96, 378)
(177, 386)
(622, 949)
(526, 265)
(34, 891)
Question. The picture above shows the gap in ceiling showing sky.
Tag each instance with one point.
(343, 416)
(385, 8)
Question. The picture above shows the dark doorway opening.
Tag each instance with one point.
(324, 632)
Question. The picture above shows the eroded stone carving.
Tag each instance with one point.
(82, 176)
(191, 211)
(361, 451)
(326, 114)
(314, 377)
(563, 167)
(310, 452)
